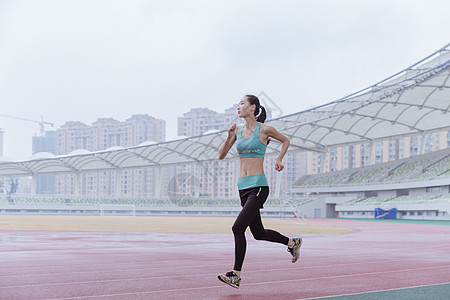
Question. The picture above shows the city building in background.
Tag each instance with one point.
(216, 179)
(200, 120)
(106, 133)
(47, 143)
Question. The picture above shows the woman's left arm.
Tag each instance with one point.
(273, 133)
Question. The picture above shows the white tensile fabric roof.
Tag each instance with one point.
(414, 101)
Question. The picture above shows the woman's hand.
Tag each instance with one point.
(279, 166)
(232, 130)
(228, 142)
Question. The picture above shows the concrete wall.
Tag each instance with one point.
(419, 191)
(323, 206)
(387, 194)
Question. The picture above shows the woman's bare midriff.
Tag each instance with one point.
(251, 166)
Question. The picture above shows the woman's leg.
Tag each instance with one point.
(257, 227)
(251, 204)
(260, 233)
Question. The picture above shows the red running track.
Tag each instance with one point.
(80, 265)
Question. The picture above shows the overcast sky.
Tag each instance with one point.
(84, 60)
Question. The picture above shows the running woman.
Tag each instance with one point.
(251, 143)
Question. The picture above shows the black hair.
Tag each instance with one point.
(252, 99)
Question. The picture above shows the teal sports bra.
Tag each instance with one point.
(252, 146)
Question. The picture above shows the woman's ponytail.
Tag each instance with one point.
(260, 111)
(261, 116)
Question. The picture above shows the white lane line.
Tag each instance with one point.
(300, 267)
(249, 284)
(316, 259)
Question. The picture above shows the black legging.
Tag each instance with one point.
(252, 200)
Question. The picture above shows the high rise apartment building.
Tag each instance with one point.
(216, 179)
(45, 184)
(200, 120)
(103, 134)
(108, 132)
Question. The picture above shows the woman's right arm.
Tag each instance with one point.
(231, 139)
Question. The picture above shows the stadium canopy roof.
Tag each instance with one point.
(412, 102)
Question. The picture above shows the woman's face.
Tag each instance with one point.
(245, 108)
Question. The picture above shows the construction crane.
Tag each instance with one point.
(41, 122)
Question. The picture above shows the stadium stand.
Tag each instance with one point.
(418, 187)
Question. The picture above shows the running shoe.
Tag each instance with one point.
(230, 278)
(295, 249)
